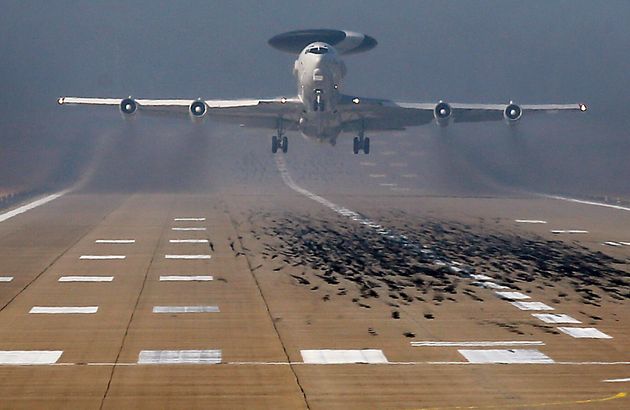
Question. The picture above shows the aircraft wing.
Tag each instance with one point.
(258, 113)
(379, 114)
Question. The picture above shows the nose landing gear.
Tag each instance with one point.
(361, 143)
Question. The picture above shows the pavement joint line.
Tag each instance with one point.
(24, 208)
(133, 312)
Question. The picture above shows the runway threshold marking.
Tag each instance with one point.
(8, 215)
(29, 357)
(179, 357)
(337, 356)
(584, 333)
(555, 318)
(531, 306)
(620, 395)
(512, 295)
(478, 343)
(505, 356)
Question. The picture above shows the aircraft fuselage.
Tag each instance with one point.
(319, 72)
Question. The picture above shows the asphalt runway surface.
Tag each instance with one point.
(213, 274)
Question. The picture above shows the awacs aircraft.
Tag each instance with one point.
(321, 111)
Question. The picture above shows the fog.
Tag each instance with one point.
(490, 51)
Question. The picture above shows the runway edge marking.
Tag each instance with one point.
(8, 215)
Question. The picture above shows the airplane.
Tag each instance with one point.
(320, 111)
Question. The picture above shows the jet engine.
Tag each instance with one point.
(512, 113)
(128, 106)
(442, 113)
(197, 109)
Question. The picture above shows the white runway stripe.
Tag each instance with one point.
(530, 221)
(188, 229)
(479, 344)
(377, 175)
(571, 231)
(617, 380)
(506, 356)
(115, 241)
(6, 278)
(29, 357)
(512, 295)
(584, 333)
(330, 356)
(490, 285)
(188, 256)
(531, 306)
(555, 318)
(188, 241)
(611, 243)
(86, 279)
(189, 278)
(28, 207)
(579, 201)
(179, 357)
(185, 309)
(189, 219)
(387, 184)
(481, 277)
(102, 257)
(64, 309)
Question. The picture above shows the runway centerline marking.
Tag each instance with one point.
(530, 221)
(115, 241)
(8, 215)
(6, 278)
(86, 279)
(55, 310)
(186, 309)
(478, 343)
(627, 379)
(187, 256)
(182, 278)
(102, 257)
(188, 229)
(569, 231)
(188, 241)
(189, 219)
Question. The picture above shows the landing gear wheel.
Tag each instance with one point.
(366, 145)
(285, 144)
(274, 144)
(355, 145)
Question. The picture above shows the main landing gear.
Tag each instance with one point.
(280, 141)
(361, 143)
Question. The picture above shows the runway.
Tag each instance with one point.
(318, 279)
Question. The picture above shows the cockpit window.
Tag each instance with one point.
(317, 50)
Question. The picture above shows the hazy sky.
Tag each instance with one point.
(470, 51)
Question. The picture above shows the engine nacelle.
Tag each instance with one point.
(442, 113)
(128, 106)
(512, 113)
(197, 109)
